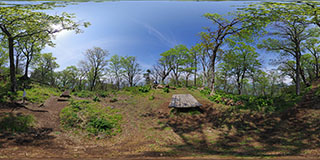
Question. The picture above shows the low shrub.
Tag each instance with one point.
(151, 98)
(96, 99)
(166, 90)
(16, 123)
(145, 89)
(91, 117)
(103, 94)
(205, 91)
(257, 103)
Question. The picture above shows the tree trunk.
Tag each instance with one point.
(213, 77)
(17, 63)
(304, 77)
(253, 86)
(187, 79)
(13, 79)
(26, 68)
(239, 85)
(195, 74)
(298, 74)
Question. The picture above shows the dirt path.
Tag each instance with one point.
(49, 118)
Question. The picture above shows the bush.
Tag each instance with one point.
(103, 94)
(91, 117)
(257, 103)
(4, 88)
(145, 89)
(151, 97)
(166, 90)
(16, 123)
(205, 91)
(96, 99)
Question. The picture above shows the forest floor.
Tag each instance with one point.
(151, 131)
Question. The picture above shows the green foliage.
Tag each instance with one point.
(255, 103)
(38, 94)
(84, 94)
(145, 89)
(131, 69)
(16, 123)
(151, 97)
(113, 100)
(44, 64)
(103, 94)
(205, 91)
(4, 88)
(91, 117)
(96, 99)
(137, 90)
(166, 90)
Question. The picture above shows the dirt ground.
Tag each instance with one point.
(150, 131)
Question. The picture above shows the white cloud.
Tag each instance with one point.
(164, 38)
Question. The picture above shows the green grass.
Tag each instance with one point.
(84, 94)
(38, 94)
(16, 123)
(91, 117)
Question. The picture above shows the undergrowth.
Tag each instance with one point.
(37, 93)
(16, 123)
(91, 117)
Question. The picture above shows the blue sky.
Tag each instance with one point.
(142, 29)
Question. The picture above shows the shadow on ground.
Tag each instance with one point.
(18, 129)
(230, 132)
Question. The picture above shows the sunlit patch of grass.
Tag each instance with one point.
(38, 94)
(91, 117)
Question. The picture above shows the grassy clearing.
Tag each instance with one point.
(38, 94)
(91, 117)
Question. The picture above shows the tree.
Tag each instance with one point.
(195, 51)
(205, 64)
(18, 21)
(188, 64)
(69, 77)
(31, 45)
(147, 77)
(291, 27)
(115, 68)
(131, 69)
(213, 40)
(312, 46)
(95, 62)
(163, 67)
(3, 57)
(44, 67)
(242, 60)
(178, 57)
